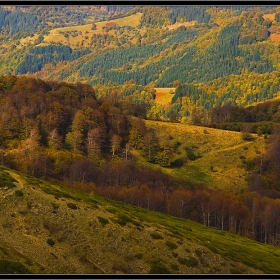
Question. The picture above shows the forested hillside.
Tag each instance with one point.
(174, 109)
(218, 55)
(63, 132)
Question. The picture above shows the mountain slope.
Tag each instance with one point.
(63, 230)
(221, 157)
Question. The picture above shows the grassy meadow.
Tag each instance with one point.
(222, 155)
(53, 229)
(84, 32)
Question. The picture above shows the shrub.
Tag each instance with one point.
(191, 262)
(111, 210)
(158, 268)
(156, 235)
(171, 245)
(72, 206)
(18, 193)
(102, 220)
(124, 219)
(247, 136)
(50, 241)
(198, 253)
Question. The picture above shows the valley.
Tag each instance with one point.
(139, 139)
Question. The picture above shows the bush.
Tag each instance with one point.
(124, 219)
(171, 245)
(18, 193)
(50, 241)
(247, 136)
(158, 268)
(198, 253)
(191, 262)
(156, 235)
(102, 220)
(55, 205)
(72, 206)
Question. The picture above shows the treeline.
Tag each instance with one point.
(249, 214)
(189, 13)
(231, 51)
(39, 56)
(213, 103)
(259, 119)
(166, 15)
(37, 18)
(47, 126)
(265, 175)
(62, 132)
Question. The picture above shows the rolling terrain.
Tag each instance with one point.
(52, 229)
(221, 155)
(139, 139)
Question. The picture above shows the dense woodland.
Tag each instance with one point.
(62, 132)
(150, 52)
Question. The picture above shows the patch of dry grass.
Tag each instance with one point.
(164, 95)
(84, 31)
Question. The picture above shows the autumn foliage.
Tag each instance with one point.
(62, 132)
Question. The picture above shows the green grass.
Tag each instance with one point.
(6, 180)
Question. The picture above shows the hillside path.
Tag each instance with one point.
(227, 148)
